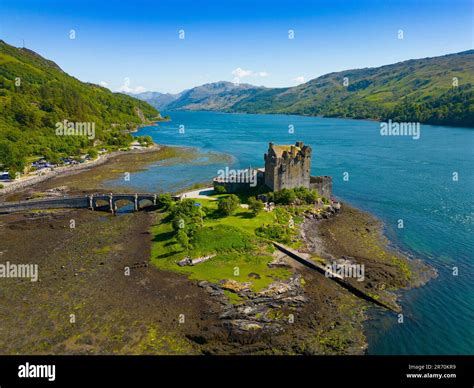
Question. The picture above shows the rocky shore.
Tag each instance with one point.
(259, 313)
(309, 313)
(82, 272)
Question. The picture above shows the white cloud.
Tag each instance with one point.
(125, 88)
(299, 79)
(103, 83)
(241, 73)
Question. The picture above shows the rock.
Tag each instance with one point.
(254, 275)
(278, 262)
(234, 286)
(185, 261)
(245, 325)
(201, 259)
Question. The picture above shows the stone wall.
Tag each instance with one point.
(323, 184)
(239, 187)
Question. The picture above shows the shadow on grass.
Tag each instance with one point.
(246, 215)
(166, 255)
(164, 236)
(214, 215)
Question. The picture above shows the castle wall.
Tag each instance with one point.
(270, 172)
(240, 186)
(293, 173)
(323, 184)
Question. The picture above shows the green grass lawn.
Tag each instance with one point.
(240, 254)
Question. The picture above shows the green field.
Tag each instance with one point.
(239, 254)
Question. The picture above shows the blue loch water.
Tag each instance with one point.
(393, 177)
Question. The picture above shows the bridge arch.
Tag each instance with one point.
(121, 202)
(145, 202)
(100, 203)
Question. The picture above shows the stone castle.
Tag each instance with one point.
(286, 167)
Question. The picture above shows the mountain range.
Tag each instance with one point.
(36, 95)
(437, 90)
(215, 96)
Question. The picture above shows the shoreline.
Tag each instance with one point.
(366, 243)
(63, 171)
(373, 120)
(337, 327)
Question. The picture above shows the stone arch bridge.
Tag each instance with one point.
(110, 202)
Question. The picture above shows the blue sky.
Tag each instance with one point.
(135, 45)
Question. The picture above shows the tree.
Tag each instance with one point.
(186, 214)
(165, 200)
(255, 205)
(228, 205)
(219, 189)
(51, 156)
(145, 140)
(12, 157)
(182, 238)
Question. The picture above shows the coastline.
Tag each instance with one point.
(368, 119)
(331, 322)
(358, 236)
(31, 181)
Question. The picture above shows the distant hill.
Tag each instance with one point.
(217, 96)
(415, 90)
(35, 94)
(158, 100)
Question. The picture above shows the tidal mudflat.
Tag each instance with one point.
(85, 303)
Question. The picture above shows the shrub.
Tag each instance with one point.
(220, 189)
(291, 196)
(93, 153)
(277, 232)
(228, 205)
(182, 239)
(165, 200)
(285, 197)
(255, 205)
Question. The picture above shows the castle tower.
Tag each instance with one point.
(287, 166)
